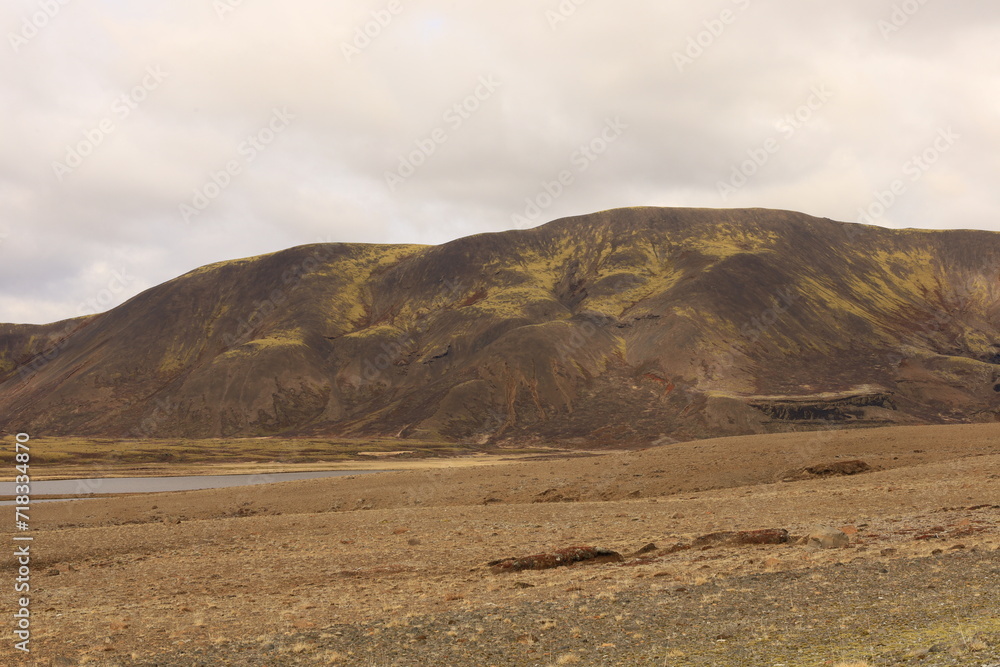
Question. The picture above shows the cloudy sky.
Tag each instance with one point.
(143, 139)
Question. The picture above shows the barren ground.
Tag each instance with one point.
(391, 569)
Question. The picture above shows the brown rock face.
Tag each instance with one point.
(742, 538)
(559, 558)
(839, 468)
(649, 548)
(832, 469)
(619, 328)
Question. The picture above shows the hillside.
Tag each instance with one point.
(620, 328)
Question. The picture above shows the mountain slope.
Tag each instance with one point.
(617, 328)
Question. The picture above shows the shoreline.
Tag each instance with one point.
(377, 464)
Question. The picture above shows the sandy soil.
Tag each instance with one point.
(391, 569)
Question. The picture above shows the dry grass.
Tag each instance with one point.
(296, 567)
(108, 457)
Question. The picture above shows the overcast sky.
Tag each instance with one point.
(143, 139)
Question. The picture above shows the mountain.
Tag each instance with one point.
(621, 328)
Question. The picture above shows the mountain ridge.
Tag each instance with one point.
(621, 327)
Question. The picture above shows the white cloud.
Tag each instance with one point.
(324, 176)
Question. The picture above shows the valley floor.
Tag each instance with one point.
(391, 569)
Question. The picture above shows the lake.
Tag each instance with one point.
(156, 484)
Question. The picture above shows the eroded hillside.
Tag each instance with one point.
(618, 328)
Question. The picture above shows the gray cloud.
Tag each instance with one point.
(201, 91)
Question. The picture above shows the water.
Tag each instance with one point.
(155, 484)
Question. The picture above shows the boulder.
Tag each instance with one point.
(827, 538)
(649, 548)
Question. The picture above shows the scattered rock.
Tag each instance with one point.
(827, 538)
(832, 469)
(649, 548)
(553, 496)
(742, 538)
(714, 540)
(674, 548)
(241, 512)
(559, 558)
(839, 468)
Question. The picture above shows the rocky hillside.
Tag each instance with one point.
(620, 328)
